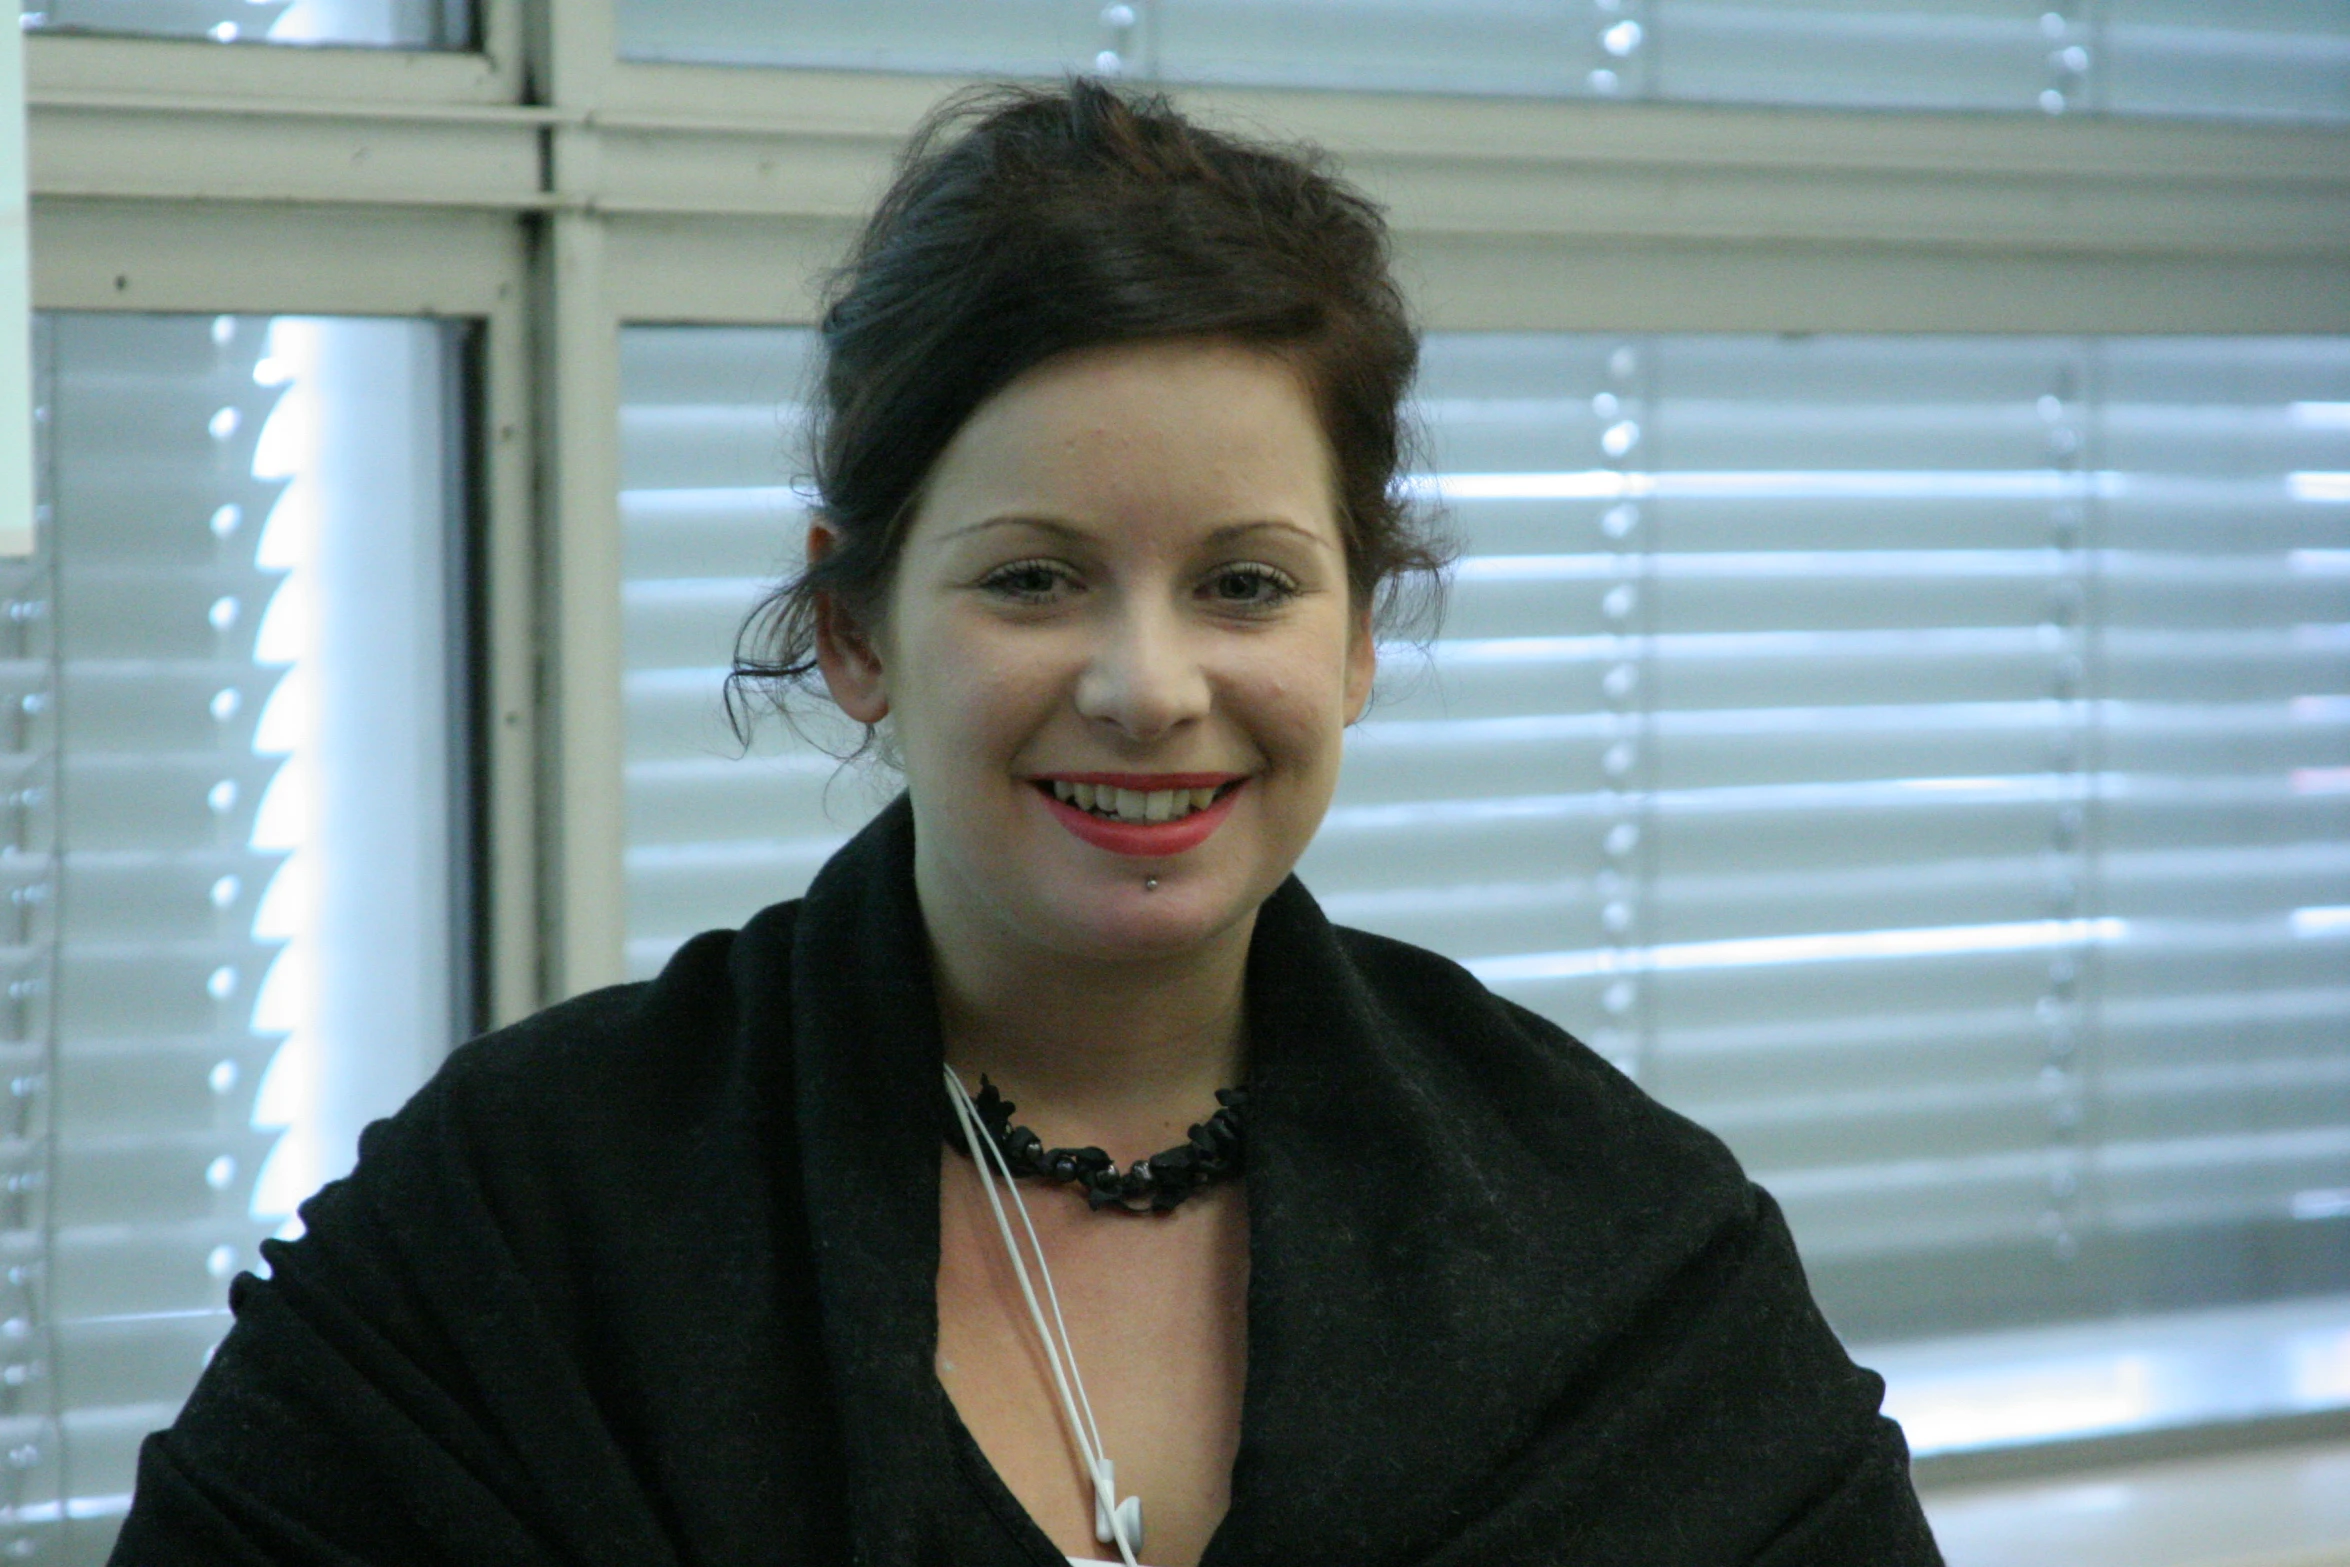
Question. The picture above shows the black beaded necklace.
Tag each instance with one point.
(1213, 1150)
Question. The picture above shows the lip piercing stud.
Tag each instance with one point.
(1150, 884)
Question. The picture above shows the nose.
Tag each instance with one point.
(1143, 678)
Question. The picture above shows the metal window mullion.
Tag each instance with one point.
(505, 601)
(576, 404)
(577, 400)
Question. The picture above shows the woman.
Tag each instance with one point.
(713, 1269)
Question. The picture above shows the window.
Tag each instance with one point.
(2289, 60)
(1922, 760)
(235, 855)
(1919, 759)
(709, 521)
(397, 24)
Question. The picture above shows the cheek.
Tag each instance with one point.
(1300, 712)
(971, 699)
(932, 701)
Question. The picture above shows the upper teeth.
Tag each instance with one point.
(1133, 805)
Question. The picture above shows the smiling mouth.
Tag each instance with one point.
(1112, 804)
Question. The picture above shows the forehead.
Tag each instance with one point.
(1171, 435)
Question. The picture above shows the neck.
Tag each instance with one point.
(1123, 1054)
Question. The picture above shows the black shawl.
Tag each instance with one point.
(648, 1278)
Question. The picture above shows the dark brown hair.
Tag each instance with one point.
(1029, 222)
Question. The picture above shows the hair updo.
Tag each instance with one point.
(1029, 222)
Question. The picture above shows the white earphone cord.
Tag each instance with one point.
(1120, 1520)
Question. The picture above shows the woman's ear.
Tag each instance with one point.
(845, 652)
(1362, 664)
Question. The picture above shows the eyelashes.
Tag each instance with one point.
(1258, 586)
(1246, 586)
(1026, 581)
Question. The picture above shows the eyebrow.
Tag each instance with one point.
(1070, 530)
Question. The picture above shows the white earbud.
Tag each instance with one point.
(1111, 1517)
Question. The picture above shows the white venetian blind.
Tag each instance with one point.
(198, 940)
(397, 24)
(709, 520)
(1924, 760)
(2287, 59)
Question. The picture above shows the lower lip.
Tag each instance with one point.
(1145, 839)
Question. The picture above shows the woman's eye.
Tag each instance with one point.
(1027, 580)
(1250, 587)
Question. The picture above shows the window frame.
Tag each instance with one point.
(552, 193)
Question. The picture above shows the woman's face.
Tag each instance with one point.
(1119, 646)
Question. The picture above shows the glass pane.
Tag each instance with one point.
(234, 841)
(709, 518)
(2275, 59)
(1982, 54)
(390, 24)
(1001, 38)
(2253, 59)
(1925, 761)
(1482, 46)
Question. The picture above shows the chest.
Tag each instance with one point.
(1157, 1313)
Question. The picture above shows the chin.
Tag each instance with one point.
(1108, 915)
